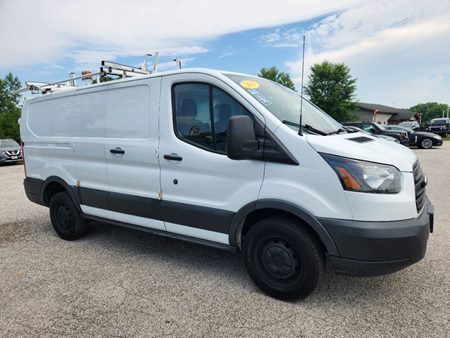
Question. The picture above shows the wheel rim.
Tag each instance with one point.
(63, 217)
(427, 143)
(279, 259)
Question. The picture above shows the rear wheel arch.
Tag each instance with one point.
(253, 212)
(53, 185)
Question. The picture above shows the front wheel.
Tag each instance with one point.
(66, 219)
(283, 258)
(426, 143)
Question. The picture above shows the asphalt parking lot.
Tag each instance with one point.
(118, 282)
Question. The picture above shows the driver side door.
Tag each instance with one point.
(202, 188)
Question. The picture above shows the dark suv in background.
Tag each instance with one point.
(440, 126)
(378, 129)
(10, 151)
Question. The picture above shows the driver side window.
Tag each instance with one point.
(201, 115)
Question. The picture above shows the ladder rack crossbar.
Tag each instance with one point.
(107, 68)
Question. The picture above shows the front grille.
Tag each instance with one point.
(12, 152)
(420, 183)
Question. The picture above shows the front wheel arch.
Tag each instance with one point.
(255, 211)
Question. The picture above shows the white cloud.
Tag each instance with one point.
(225, 55)
(398, 50)
(172, 65)
(33, 32)
(283, 38)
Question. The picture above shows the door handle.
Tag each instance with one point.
(173, 157)
(117, 150)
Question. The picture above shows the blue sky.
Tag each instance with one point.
(243, 51)
(397, 49)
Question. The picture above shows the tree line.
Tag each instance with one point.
(330, 86)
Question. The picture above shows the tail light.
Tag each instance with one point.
(23, 159)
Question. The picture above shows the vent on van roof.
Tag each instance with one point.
(360, 139)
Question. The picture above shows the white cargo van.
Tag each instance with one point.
(218, 158)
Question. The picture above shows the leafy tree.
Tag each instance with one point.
(274, 74)
(9, 107)
(332, 88)
(430, 110)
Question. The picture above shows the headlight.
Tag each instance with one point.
(437, 137)
(362, 176)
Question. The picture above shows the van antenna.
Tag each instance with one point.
(301, 89)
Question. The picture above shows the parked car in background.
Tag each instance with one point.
(378, 129)
(440, 126)
(420, 139)
(10, 151)
(353, 129)
(414, 125)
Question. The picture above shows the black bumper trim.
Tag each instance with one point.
(352, 267)
(376, 248)
(33, 189)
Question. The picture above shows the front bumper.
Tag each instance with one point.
(9, 159)
(437, 142)
(377, 248)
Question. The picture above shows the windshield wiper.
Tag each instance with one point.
(289, 123)
(338, 131)
(306, 127)
(314, 130)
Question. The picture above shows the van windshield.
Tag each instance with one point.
(285, 105)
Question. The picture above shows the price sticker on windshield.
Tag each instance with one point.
(249, 84)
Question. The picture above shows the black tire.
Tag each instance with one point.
(426, 143)
(283, 258)
(66, 219)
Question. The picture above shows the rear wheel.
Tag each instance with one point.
(426, 143)
(283, 258)
(66, 219)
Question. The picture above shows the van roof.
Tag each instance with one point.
(207, 71)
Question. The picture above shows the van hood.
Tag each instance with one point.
(10, 149)
(362, 146)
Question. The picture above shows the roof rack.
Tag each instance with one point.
(107, 68)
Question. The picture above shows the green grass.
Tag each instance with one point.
(446, 138)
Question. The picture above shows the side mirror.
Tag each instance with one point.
(241, 139)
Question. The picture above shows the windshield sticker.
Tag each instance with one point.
(261, 98)
(249, 84)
